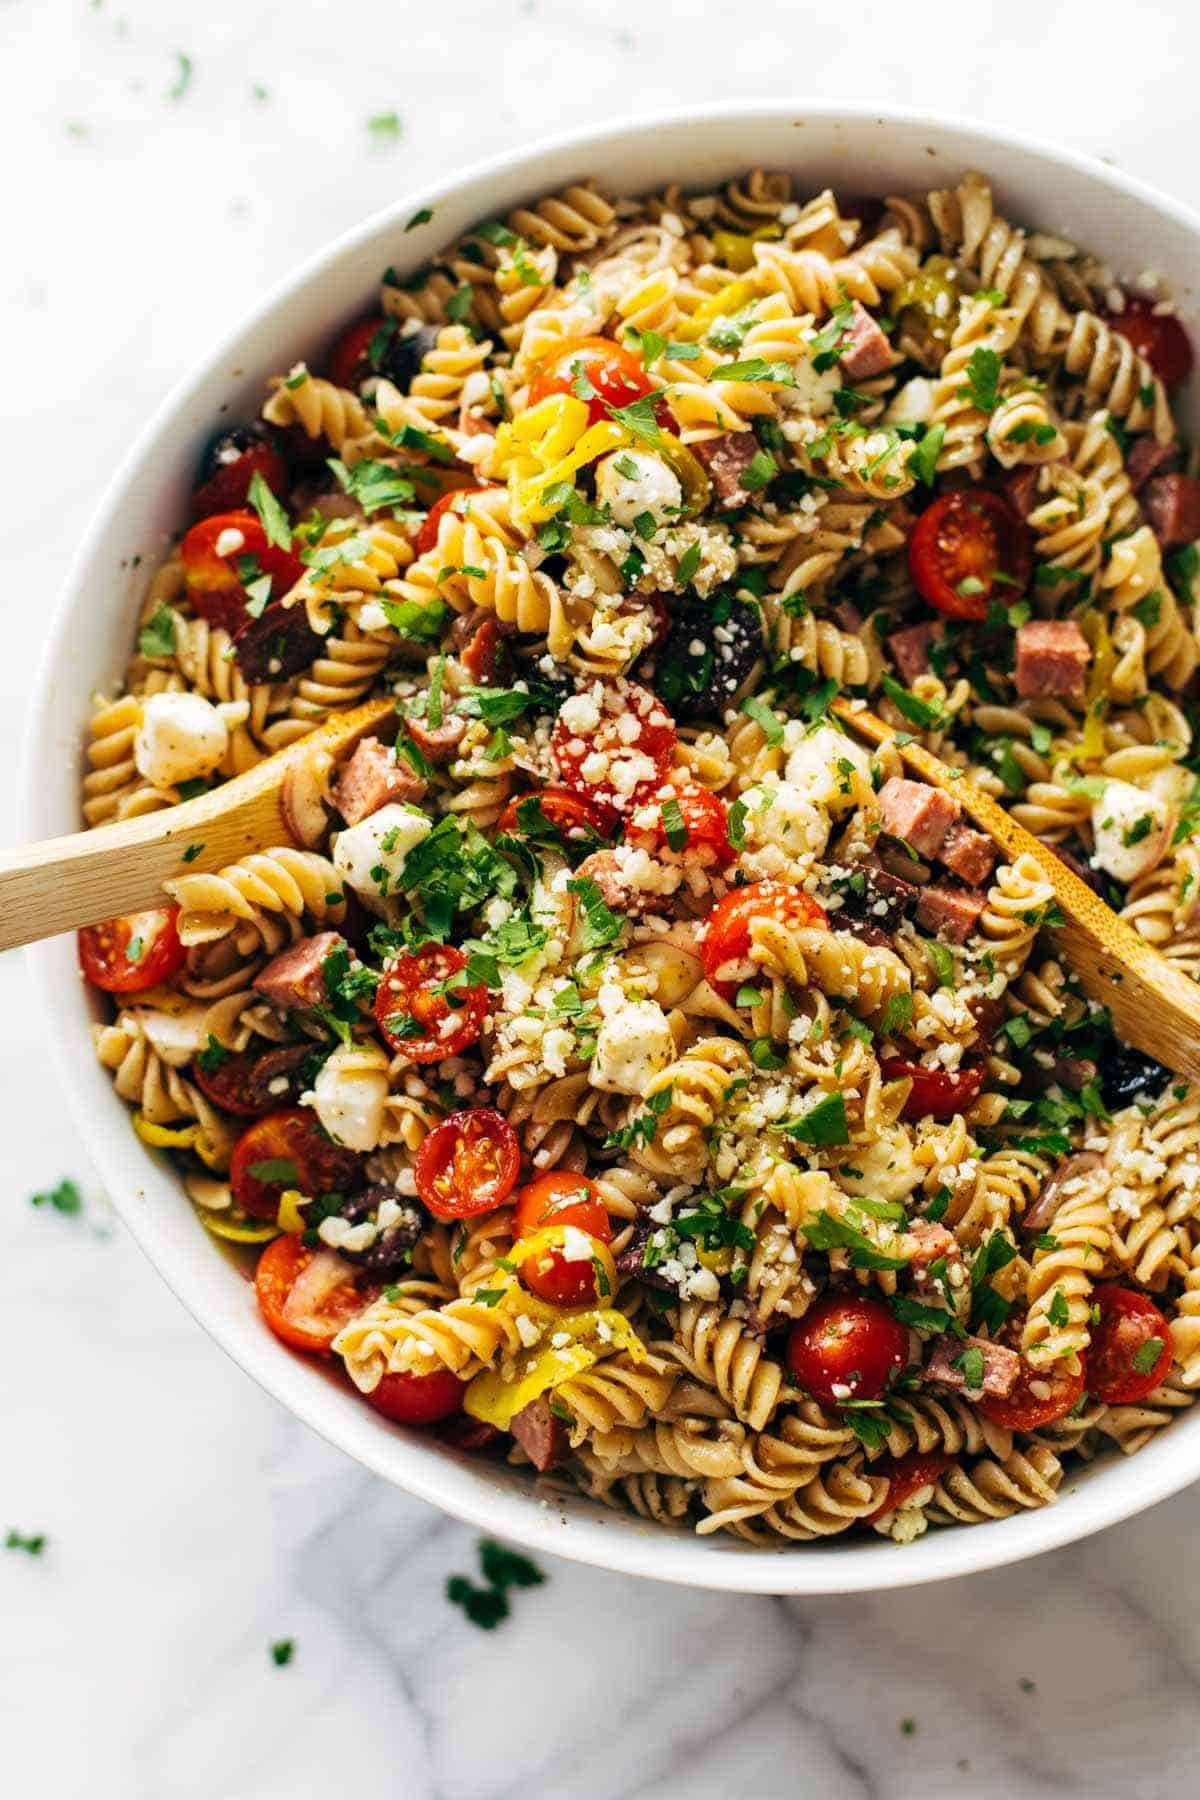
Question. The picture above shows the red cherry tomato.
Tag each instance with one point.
(136, 951)
(348, 362)
(414, 1014)
(561, 1198)
(1159, 337)
(306, 1296)
(847, 1347)
(570, 814)
(615, 373)
(210, 552)
(418, 1399)
(468, 1164)
(704, 820)
(427, 537)
(726, 937)
(235, 460)
(935, 1093)
(1039, 1398)
(1123, 1343)
(288, 1149)
(907, 1475)
(629, 763)
(960, 544)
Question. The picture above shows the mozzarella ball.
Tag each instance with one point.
(1130, 827)
(369, 856)
(349, 1096)
(631, 483)
(181, 737)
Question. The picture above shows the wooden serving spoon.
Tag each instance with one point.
(1154, 1006)
(66, 882)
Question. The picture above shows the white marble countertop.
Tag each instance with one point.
(189, 1522)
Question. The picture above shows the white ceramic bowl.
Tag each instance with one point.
(861, 150)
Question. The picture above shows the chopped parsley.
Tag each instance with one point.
(1147, 1354)
(64, 1197)
(157, 638)
(822, 1122)
(502, 1570)
(282, 1652)
(32, 1546)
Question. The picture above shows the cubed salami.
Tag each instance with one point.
(916, 813)
(950, 910)
(372, 778)
(727, 458)
(968, 854)
(1172, 504)
(295, 978)
(1001, 1366)
(867, 352)
(541, 1436)
(1052, 660)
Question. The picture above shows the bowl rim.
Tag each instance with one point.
(526, 1517)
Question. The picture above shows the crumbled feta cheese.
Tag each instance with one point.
(632, 1046)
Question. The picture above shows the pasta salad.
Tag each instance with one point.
(624, 1070)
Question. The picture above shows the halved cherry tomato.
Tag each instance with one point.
(231, 462)
(210, 552)
(468, 1164)
(306, 1296)
(417, 1399)
(415, 1013)
(1039, 1397)
(348, 363)
(568, 813)
(604, 374)
(561, 1198)
(133, 952)
(704, 820)
(1130, 1352)
(907, 1475)
(726, 937)
(427, 537)
(615, 762)
(935, 1093)
(1159, 337)
(961, 544)
(847, 1347)
(288, 1149)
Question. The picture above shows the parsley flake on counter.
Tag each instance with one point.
(385, 127)
(183, 79)
(502, 1569)
(32, 1546)
(282, 1652)
(63, 1198)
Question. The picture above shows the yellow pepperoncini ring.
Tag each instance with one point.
(191, 1136)
(729, 299)
(736, 248)
(1104, 660)
(289, 1218)
(590, 1333)
(547, 445)
(689, 471)
(236, 1227)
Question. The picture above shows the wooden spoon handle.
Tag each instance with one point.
(66, 882)
(1154, 1006)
